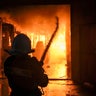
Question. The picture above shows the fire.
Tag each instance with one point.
(38, 26)
(56, 54)
(59, 47)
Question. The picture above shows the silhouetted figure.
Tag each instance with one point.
(24, 73)
(39, 51)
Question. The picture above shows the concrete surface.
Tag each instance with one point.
(55, 88)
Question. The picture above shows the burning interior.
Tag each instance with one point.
(39, 23)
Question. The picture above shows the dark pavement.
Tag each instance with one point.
(56, 88)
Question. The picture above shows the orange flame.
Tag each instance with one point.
(40, 28)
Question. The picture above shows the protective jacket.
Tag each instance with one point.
(24, 75)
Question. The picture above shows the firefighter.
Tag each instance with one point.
(26, 77)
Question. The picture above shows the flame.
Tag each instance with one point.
(58, 53)
(39, 27)
(59, 46)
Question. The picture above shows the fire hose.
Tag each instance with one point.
(47, 47)
(50, 41)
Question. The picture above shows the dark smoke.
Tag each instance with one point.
(27, 17)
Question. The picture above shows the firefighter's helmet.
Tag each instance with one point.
(21, 45)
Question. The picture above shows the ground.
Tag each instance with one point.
(56, 88)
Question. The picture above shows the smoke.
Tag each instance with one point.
(36, 18)
(7, 18)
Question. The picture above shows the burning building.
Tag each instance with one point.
(39, 23)
(74, 46)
